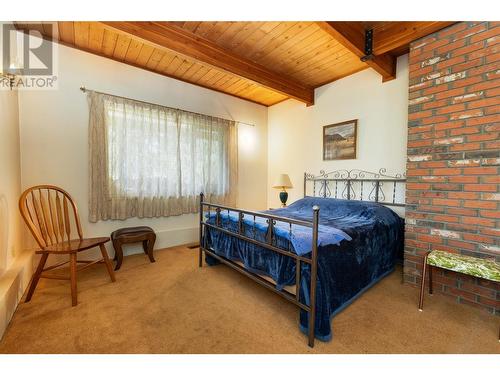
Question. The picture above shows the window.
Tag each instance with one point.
(152, 161)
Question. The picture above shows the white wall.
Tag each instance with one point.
(295, 131)
(54, 135)
(10, 180)
(15, 265)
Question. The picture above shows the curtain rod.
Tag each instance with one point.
(84, 90)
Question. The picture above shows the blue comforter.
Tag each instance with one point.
(358, 244)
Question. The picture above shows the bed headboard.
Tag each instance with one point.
(356, 184)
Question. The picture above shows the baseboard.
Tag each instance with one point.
(13, 283)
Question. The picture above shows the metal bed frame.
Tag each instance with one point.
(346, 184)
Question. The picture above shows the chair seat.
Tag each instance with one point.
(73, 246)
(131, 232)
(483, 268)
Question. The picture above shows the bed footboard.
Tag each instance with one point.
(269, 244)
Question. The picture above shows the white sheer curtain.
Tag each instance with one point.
(152, 161)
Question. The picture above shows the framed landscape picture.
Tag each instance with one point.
(339, 140)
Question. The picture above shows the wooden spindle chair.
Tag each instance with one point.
(47, 210)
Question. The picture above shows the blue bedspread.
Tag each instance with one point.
(358, 244)
(300, 235)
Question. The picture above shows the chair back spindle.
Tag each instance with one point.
(46, 211)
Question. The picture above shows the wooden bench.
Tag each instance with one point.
(477, 267)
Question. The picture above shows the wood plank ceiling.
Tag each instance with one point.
(264, 62)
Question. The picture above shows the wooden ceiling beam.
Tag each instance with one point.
(352, 36)
(394, 35)
(166, 35)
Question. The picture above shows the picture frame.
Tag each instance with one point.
(340, 140)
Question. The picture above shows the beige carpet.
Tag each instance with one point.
(172, 306)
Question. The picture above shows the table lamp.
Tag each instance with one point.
(283, 182)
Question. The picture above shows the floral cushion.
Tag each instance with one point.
(484, 268)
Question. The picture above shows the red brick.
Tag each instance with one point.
(465, 163)
(446, 202)
(481, 187)
(466, 49)
(490, 214)
(451, 46)
(419, 115)
(467, 81)
(449, 125)
(484, 35)
(491, 110)
(449, 108)
(478, 290)
(482, 137)
(488, 301)
(447, 171)
(429, 239)
(492, 145)
(463, 130)
(447, 218)
(488, 51)
(482, 69)
(480, 204)
(418, 172)
(470, 32)
(467, 65)
(437, 104)
(420, 129)
(449, 62)
(479, 221)
(481, 170)
(462, 212)
(493, 92)
(419, 143)
(484, 102)
(434, 90)
(466, 147)
(490, 232)
(478, 238)
(483, 120)
(433, 164)
(464, 179)
(466, 114)
(463, 195)
(452, 30)
(468, 97)
(484, 85)
(435, 209)
(434, 119)
(436, 44)
(418, 72)
(462, 244)
(417, 186)
(491, 179)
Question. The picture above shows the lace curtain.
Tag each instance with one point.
(152, 161)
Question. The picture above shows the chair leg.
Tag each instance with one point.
(118, 254)
(72, 269)
(107, 262)
(430, 278)
(422, 286)
(36, 277)
(149, 246)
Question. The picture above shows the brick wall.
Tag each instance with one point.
(453, 196)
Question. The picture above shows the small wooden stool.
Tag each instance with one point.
(146, 235)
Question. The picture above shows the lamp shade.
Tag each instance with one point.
(283, 181)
